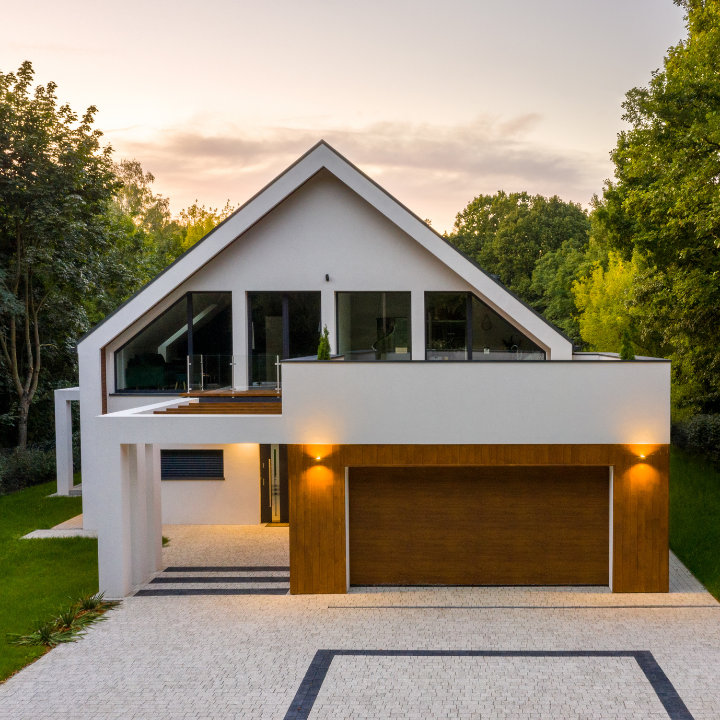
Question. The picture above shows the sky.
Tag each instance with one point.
(436, 101)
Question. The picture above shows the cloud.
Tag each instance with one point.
(434, 169)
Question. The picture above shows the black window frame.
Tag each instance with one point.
(373, 292)
(187, 297)
(469, 324)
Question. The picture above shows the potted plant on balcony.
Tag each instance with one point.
(324, 346)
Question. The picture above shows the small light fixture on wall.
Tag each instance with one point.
(327, 277)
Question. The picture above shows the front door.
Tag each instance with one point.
(274, 496)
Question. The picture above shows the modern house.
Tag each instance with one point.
(453, 438)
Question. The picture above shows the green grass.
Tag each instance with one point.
(38, 578)
(695, 516)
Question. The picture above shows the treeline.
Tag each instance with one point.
(641, 270)
(639, 273)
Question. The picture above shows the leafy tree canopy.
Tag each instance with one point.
(199, 221)
(508, 234)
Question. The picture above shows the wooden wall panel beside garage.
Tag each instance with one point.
(479, 525)
(317, 502)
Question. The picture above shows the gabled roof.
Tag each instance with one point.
(323, 156)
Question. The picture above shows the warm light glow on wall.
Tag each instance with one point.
(642, 475)
(641, 452)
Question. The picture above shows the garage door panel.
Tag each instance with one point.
(479, 526)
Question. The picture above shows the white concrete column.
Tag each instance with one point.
(327, 314)
(114, 550)
(138, 515)
(417, 309)
(240, 339)
(153, 549)
(63, 438)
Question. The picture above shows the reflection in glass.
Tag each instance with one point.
(460, 326)
(282, 325)
(374, 325)
(494, 338)
(156, 359)
(446, 325)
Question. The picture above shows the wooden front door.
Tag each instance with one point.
(506, 525)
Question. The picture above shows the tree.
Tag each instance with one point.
(55, 184)
(199, 222)
(604, 300)
(324, 345)
(509, 234)
(664, 202)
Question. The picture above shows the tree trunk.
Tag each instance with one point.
(24, 409)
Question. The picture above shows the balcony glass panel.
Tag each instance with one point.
(374, 325)
(156, 359)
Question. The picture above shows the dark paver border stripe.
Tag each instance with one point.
(210, 591)
(517, 607)
(227, 568)
(307, 693)
(218, 579)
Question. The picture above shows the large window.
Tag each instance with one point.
(374, 325)
(156, 359)
(460, 326)
(281, 325)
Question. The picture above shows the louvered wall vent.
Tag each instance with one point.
(192, 465)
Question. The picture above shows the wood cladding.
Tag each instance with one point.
(502, 525)
(103, 381)
(317, 502)
(221, 408)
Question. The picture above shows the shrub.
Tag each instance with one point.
(699, 434)
(69, 625)
(23, 468)
(324, 346)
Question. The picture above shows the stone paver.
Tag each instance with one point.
(218, 657)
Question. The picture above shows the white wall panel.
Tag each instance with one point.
(232, 501)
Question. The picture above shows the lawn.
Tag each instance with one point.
(695, 516)
(38, 578)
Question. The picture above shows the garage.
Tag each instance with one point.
(500, 525)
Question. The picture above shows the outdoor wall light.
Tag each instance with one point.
(327, 278)
(318, 458)
(642, 457)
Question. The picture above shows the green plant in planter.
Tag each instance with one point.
(324, 346)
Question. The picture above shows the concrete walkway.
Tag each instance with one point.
(504, 652)
(70, 528)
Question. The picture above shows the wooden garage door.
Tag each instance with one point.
(479, 526)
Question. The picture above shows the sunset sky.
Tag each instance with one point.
(437, 101)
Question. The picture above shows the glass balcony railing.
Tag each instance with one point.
(485, 355)
(237, 372)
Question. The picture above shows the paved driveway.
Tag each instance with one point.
(456, 653)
